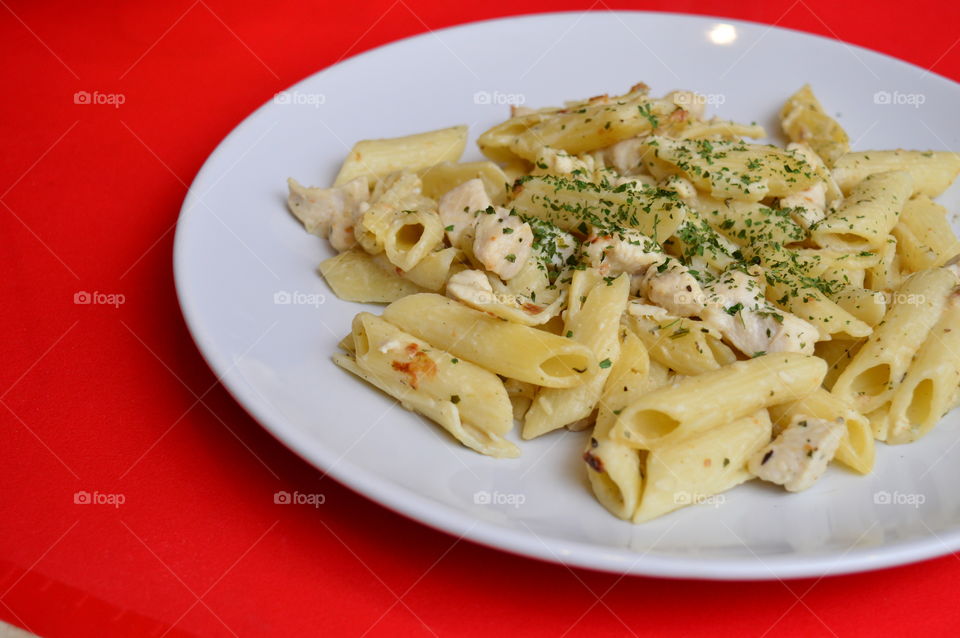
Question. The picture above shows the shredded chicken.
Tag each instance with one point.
(458, 208)
(554, 247)
(471, 287)
(662, 280)
(552, 161)
(735, 305)
(670, 285)
(799, 455)
(629, 252)
(502, 242)
(626, 156)
(330, 212)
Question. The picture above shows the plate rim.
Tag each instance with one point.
(440, 517)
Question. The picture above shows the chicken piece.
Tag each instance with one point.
(554, 247)
(735, 306)
(625, 156)
(662, 280)
(331, 213)
(551, 161)
(669, 284)
(458, 208)
(471, 287)
(502, 242)
(629, 251)
(800, 453)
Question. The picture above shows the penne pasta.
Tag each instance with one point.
(595, 324)
(464, 399)
(693, 470)
(506, 348)
(865, 218)
(804, 120)
(927, 391)
(924, 237)
(873, 375)
(931, 171)
(378, 158)
(700, 403)
(354, 276)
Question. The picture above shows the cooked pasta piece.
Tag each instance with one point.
(804, 120)
(378, 158)
(924, 237)
(694, 469)
(931, 171)
(614, 469)
(871, 378)
(464, 399)
(506, 348)
(705, 401)
(353, 275)
(865, 218)
(927, 391)
(595, 324)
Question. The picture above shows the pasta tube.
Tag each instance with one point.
(870, 379)
(932, 171)
(700, 403)
(508, 349)
(865, 218)
(464, 399)
(595, 325)
(691, 470)
(378, 158)
(926, 393)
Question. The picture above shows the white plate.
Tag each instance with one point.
(237, 251)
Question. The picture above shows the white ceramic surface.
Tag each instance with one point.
(239, 255)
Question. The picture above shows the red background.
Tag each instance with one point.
(118, 400)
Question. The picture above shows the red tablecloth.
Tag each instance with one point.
(116, 401)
